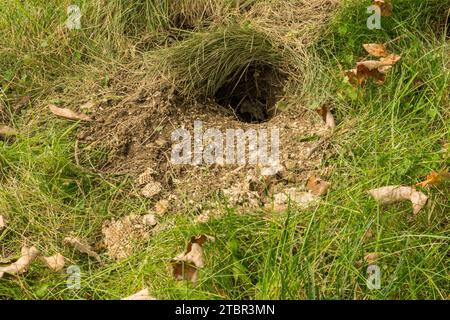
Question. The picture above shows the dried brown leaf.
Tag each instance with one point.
(385, 6)
(376, 50)
(68, 114)
(317, 186)
(82, 247)
(327, 116)
(29, 254)
(141, 295)
(435, 178)
(186, 265)
(55, 263)
(390, 60)
(393, 194)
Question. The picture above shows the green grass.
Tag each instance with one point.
(390, 134)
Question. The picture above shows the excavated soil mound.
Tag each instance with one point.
(136, 136)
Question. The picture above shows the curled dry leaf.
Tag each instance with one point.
(186, 265)
(327, 116)
(29, 254)
(141, 295)
(68, 114)
(7, 132)
(55, 262)
(393, 194)
(433, 178)
(82, 247)
(376, 69)
(317, 186)
(385, 6)
(376, 50)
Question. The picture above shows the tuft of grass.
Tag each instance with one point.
(206, 62)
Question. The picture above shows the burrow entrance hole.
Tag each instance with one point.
(253, 96)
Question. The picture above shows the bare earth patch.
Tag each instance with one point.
(137, 138)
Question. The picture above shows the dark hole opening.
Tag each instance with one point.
(253, 96)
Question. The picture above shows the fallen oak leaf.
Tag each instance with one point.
(68, 114)
(55, 263)
(82, 247)
(141, 295)
(376, 50)
(29, 254)
(351, 76)
(393, 194)
(184, 270)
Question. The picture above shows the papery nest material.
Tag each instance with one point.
(122, 235)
